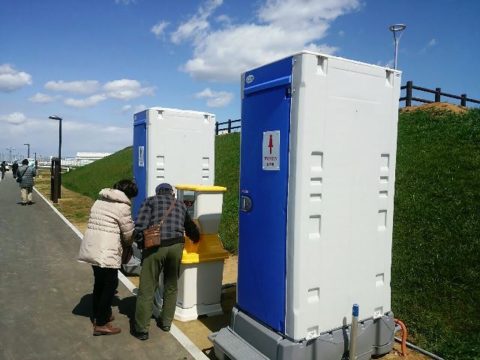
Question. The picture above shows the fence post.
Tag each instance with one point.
(229, 126)
(463, 101)
(216, 128)
(437, 94)
(408, 100)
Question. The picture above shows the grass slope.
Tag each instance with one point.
(436, 267)
(227, 166)
(90, 179)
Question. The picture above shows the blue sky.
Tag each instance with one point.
(96, 62)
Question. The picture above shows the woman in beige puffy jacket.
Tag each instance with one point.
(110, 225)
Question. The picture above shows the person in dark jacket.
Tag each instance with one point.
(15, 169)
(3, 168)
(27, 173)
(165, 257)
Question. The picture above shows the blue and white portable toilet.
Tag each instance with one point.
(316, 210)
(174, 146)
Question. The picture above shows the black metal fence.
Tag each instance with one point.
(230, 126)
(227, 127)
(409, 88)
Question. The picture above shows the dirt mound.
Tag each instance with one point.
(437, 107)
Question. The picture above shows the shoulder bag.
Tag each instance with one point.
(19, 177)
(152, 235)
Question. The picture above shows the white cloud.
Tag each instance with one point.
(87, 102)
(42, 98)
(215, 98)
(302, 13)
(282, 27)
(77, 135)
(83, 136)
(130, 109)
(197, 24)
(76, 87)
(16, 118)
(430, 44)
(224, 20)
(11, 79)
(388, 64)
(159, 28)
(126, 89)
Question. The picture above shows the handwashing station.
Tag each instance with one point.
(201, 271)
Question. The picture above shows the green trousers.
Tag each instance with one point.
(154, 261)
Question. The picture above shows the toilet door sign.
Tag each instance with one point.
(141, 156)
(271, 150)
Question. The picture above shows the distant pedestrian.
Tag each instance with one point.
(3, 168)
(26, 174)
(109, 227)
(15, 169)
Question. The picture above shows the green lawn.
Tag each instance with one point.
(436, 242)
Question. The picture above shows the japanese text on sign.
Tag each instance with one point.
(141, 156)
(271, 151)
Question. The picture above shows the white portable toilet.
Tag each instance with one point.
(174, 146)
(317, 182)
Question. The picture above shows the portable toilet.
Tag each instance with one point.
(174, 146)
(317, 181)
(201, 268)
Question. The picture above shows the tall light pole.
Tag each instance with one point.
(59, 184)
(28, 150)
(396, 29)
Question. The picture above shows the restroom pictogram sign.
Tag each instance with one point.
(271, 150)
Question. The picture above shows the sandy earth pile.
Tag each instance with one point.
(437, 107)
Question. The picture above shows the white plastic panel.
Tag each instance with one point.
(341, 189)
(208, 211)
(180, 147)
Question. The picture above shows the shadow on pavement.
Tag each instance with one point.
(126, 306)
(84, 307)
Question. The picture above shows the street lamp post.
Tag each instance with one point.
(55, 117)
(59, 185)
(396, 29)
(28, 150)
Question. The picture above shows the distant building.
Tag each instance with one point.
(81, 159)
(84, 158)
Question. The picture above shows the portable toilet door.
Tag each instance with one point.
(263, 194)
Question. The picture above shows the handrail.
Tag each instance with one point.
(408, 98)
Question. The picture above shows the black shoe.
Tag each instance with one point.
(30, 203)
(140, 335)
(165, 327)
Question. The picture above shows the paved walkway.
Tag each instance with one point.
(45, 294)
